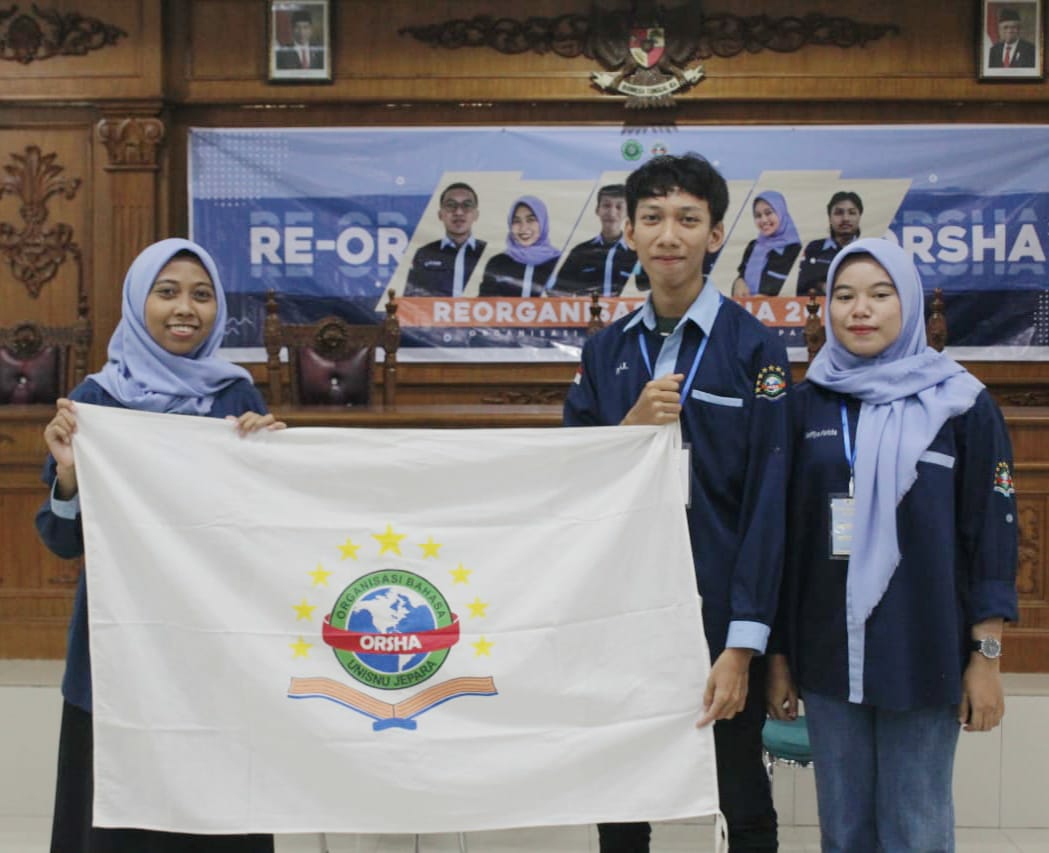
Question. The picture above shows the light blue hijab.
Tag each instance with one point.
(140, 373)
(542, 249)
(786, 234)
(908, 392)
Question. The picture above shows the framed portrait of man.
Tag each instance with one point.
(1009, 43)
(299, 41)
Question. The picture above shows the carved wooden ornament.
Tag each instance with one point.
(35, 252)
(45, 33)
(646, 49)
(132, 143)
(1032, 522)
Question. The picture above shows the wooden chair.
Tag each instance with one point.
(816, 335)
(596, 324)
(39, 364)
(330, 362)
(936, 325)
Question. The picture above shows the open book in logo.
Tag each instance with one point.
(385, 714)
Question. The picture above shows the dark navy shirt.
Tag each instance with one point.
(503, 276)
(815, 262)
(433, 268)
(65, 536)
(595, 266)
(735, 418)
(778, 265)
(957, 530)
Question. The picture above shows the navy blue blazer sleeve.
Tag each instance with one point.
(987, 524)
(581, 405)
(784, 624)
(758, 570)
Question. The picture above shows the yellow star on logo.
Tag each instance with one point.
(304, 611)
(320, 576)
(389, 540)
(477, 608)
(349, 550)
(459, 574)
(429, 548)
(300, 648)
(482, 648)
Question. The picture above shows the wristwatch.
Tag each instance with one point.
(989, 647)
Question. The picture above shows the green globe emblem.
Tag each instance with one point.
(391, 629)
(632, 150)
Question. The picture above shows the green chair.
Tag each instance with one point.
(786, 742)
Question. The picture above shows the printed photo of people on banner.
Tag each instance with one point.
(493, 240)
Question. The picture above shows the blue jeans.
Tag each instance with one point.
(883, 778)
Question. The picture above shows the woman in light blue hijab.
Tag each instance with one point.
(769, 258)
(141, 373)
(162, 358)
(526, 266)
(901, 562)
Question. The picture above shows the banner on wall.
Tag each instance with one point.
(334, 219)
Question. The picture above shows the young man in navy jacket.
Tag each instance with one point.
(444, 267)
(604, 263)
(690, 355)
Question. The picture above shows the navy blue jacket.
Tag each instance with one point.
(433, 268)
(815, 261)
(503, 276)
(65, 536)
(736, 420)
(583, 271)
(957, 530)
(778, 265)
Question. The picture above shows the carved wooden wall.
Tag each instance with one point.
(106, 90)
(374, 62)
(46, 237)
(1027, 644)
(80, 97)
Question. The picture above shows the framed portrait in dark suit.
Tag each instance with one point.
(1009, 42)
(299, 41)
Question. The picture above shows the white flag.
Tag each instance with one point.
(348, 630)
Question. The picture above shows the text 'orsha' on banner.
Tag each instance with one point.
(333, 219)
(350, 630)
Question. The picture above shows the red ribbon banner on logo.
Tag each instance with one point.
(391, 644)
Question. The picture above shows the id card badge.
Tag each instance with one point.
(842, 514)
(686, 474)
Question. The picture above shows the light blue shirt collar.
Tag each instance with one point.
(831, 243)
(703, 311)
(621, 242)
(471, 242)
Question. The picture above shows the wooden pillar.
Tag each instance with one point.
(127, 167)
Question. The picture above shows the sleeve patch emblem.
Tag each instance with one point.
(771, 382)
(1003, 480)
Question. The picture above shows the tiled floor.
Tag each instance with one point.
(999, 781)
(29, 835)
